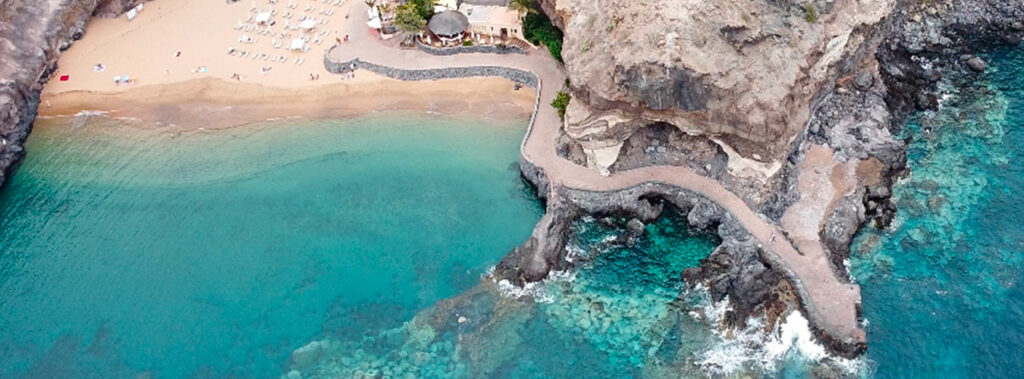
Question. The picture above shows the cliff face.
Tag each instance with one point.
(32, 35)
(741, 71)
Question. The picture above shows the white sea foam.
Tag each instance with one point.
(754, 348)
(87, 113)
(538, 291)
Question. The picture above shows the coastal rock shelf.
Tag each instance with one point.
(831, 303)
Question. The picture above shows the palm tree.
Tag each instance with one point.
(522, 6)
(370, 3)
(408, 19)
(384, 9)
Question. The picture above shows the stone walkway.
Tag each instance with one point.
(831, 303)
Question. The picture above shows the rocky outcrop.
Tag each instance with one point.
(743, 72)
(928, 41)
(32, 35)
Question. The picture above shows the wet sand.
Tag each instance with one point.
(214, 103)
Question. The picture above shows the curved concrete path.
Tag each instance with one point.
(830, 302)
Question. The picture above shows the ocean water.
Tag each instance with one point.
(942, 287)
(127, 250)
(617, 314)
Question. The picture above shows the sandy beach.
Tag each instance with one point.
(199, 87)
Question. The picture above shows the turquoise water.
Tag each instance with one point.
(128, 250)
(942, 287)
(618, 314)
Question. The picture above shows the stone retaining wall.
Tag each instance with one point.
(474, 49)
(519, 76)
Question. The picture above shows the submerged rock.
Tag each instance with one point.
(976, 64)
(308, 355)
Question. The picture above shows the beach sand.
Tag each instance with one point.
(167, 91)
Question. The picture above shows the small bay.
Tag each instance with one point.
(128, 249)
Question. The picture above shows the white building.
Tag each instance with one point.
(497, 21)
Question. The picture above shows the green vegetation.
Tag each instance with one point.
(424, 7)
(561, 102)
(467, 42)
(538, 30)
(810, 13)
(408, 19)
(522, 6)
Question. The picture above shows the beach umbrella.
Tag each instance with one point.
(263, 17)
(297, 44)
(117, 79)
(307, 24)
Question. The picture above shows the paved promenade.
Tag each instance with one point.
(830, 303)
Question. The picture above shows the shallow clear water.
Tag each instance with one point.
(942, 287)
(129, 250)
(619, 314)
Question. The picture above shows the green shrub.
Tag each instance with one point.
(561, 102)
(424, 7)
(537, 29)
(467, 42)
(810, 13)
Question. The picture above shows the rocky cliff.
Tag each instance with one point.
(743, 72)
(32, 35)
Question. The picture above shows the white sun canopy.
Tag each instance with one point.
(297, 44)
(307, 24)
(263, 17)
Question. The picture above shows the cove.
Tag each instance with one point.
(942, 287)
(128, 249)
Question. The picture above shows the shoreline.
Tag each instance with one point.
(211, 103)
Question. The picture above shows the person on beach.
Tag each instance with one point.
(771, 241)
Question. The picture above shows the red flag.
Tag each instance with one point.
(64, 78)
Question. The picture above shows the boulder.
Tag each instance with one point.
(976, 64)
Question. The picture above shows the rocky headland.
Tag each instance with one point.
(791, 106)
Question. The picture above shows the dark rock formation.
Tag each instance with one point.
(925, 40)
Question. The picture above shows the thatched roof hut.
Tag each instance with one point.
(448, 24)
